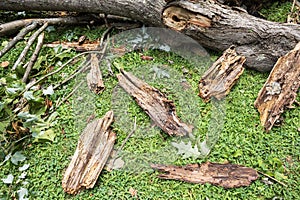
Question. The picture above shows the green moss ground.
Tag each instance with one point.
(242, 141)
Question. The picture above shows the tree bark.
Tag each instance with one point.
(213, 25)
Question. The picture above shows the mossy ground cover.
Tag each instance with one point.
(242, 141)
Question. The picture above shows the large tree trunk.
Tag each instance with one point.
(213, 25)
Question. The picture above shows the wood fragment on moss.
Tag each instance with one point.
(280, 90)
(224, 175)
(94, 77)
(93, 149)
(222, 75)
(160, 109)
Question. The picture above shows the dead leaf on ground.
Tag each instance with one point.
(4, 64)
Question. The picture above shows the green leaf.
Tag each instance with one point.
(17, 157)
(186, 150)
(22, 193)
(29, 95)
(9, 179)
(45, 135)
(24, 167)
(48, 91)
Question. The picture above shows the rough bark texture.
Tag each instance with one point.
(280, 89)
(155, 104)
(94, 147)
(222, 75)
(94, 77)
(213, 25)
(225, 175)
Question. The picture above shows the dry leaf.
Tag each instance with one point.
(4, 64)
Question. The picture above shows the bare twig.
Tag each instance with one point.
(34, 56)
(19, 37)
(29, 43)
(274, 179)
(70, 94)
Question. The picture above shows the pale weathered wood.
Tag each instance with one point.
(222, 75)
(224, 175)
(94, 77)
(94, 147)
(213, 25)
(280, 90)
(160, 109)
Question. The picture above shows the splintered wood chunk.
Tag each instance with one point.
(222, 75)
(94, 77)
(93, 149)
(160, 109)
(280, 90)
(224, 175)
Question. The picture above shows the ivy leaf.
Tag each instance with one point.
(49, 90)
(29, 95)
(9, 179)
(22, 192)
(186, 150)
(17, 157)
(23, 175)
(44, 135)
(24, 167)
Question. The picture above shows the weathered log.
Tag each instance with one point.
(280, 90)
(224, 175)
(94, 147)
(160, 109)
(222, 75)
(94, 77)
(213, 25)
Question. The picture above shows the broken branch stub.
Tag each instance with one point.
(280, 90)
(222, 75)
(94, 147)
(224, 175)
(94, 77)
(160, 109)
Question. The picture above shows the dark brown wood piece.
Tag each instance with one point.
(280, 90)
(94, 77)
(224, 175)
(160, 109)
(222, 75)
(94, 147)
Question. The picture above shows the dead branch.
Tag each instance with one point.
(28, 45)
(160, 109)
(94, 147)
(222, 75)
(19, 37)
(94, 77)
(34, 56)
(280, 90)
(224, 175)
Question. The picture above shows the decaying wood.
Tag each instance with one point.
(224, 175)
(213, 25)
(94, 77)
(160, 109)
(94, 147)
(280, 90)
(222, 75)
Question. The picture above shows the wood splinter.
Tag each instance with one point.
(224, 175)
(280, 90)
(160, 109)
(93, 150)
(222, 75)
(94, 77)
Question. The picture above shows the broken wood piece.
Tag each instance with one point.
(280, 90)
(224, 175)
(222, 75)
(94, 77)
(160, 109)
(94, 147)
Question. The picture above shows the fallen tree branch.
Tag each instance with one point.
(28, 45)
(94, 147)
(280, 90)
(33, 57)
(19, 37)
(224, 175)
(160, 109)
(222, 75)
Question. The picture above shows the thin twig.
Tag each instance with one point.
(70, 94)
(274, 179)
(28, 45)
(34, 56)
(19, 37)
